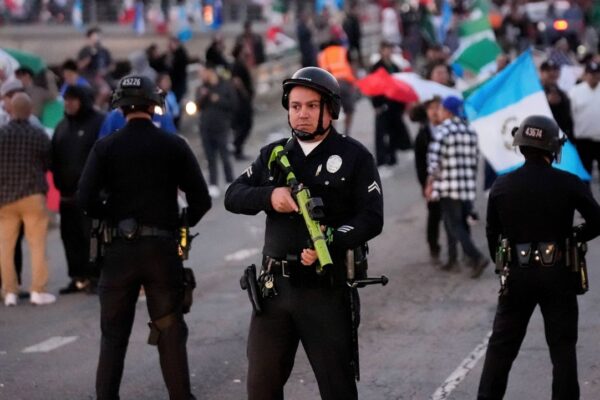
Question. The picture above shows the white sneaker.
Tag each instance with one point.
(39, 298)
(10, 300)
(213, 191)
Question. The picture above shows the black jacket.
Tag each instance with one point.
(139, 169)
(422, 141)
(73, 140)
(216, 116)
(340, 171)
(536, 203)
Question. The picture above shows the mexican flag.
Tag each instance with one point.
(478, 49)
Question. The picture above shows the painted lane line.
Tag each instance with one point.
(242, 254)
(51, 344)
(460, 373)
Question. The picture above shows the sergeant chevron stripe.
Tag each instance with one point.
(345, 228)
(374, 186)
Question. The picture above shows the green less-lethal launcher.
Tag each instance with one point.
(307, 206)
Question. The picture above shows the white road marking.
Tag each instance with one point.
(242, 254)
(460, 373)
(51, 344)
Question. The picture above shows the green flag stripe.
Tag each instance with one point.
(469, 28)
(478, 55)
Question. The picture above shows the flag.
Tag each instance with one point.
(139, 22)
(504, 102)
(77, 15)
(381, 83)
(445, 20)
(425, 89)
(477, 49)
(180, 23)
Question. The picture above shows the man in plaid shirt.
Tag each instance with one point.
(452, 168)
(24, 159)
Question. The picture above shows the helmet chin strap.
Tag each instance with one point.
(305, 136)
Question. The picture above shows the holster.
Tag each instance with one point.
(189, 284)
(249, 282)
(161, 324)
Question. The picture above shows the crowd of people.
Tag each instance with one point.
(447, 156)
(227, 91)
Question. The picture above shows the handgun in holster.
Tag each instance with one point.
(189, 284)
(98, 239)
(576, 250)
(249, 283)
(503, 260)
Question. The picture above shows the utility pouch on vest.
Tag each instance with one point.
(128, 229)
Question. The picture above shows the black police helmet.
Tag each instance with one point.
(136, 90)
(540, 132)
(317, 79)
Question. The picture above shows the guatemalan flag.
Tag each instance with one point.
(501, 104)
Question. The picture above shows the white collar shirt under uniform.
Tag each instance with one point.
(452, 159)
(585, 107)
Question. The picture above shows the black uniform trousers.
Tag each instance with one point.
(75, 234)
(319, 318)
(153, 263)
(553, 289)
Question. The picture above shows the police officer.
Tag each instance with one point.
(130, 181)
(308, 308)
(533, 208)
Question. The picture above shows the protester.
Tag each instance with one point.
(24, 160)
(217, 102)
(71, 77)
(253, 43)
(243, 118)
(94, 60)
(452, 161)
(391, 133)
(585, 103)
(72, 141)
(39, 95)
(177, 60)
(304, 33)
(335, 59)
(215, 52)
(163, 81)
(559, 101)
(353, 31)
(427, 115)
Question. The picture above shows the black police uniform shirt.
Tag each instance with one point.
(340, 171)
(140, 167)
(537, 203)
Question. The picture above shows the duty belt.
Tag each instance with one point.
(542, 254)
(278, 266)
(147, 231)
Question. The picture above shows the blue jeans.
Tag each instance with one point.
(454, 214)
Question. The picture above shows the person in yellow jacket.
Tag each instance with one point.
(335, 58)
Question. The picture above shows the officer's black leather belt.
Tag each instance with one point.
(148, 231)
(278, 266)
(542, 254)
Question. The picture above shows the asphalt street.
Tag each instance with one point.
(422, 336)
